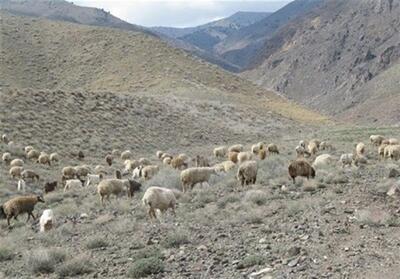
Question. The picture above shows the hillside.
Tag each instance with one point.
(325, 58)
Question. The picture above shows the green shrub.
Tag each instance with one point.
(146, 266)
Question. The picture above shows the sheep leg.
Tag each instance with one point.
(29, 216)
(8, 220)
(33, 216)
(294, 179)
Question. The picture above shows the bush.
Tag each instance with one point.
(6, 252)
(257, 197)
(148, 252)
(167, 177)
(250, 261)
(231, 198)
(44, 260)
(146, 266)
(77, 266)
(176, 239)
(96, 242)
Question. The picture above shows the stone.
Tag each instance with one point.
(393, 173)
(293, 251)
(293, 263)
(260, 272)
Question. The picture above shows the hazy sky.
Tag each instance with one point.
(179, 13)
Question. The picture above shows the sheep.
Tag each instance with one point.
(302, 143)
(167, 161)
(201, 161)
(130, 165)
(54, 157)
(236, 148)
(5, 139)
(50, 186)
(273, 148)
(192, 176)
(30, 174)
(220, 152)
(159, 154)
(46, 221)
(133, 187)
(33, 154)
(225, 166)
(183, 156)
(21, 185)
(17, 163)
(346, 159)
(178, 163)
(68, 172)
(316, 142)
(301, 151)
(247, 173)
(118, 174)
(112, 186)
(73, 183)
(393, 141)
(233, 156)
(144, 162)
(19, 205)
(244, 156)
(99, 169)
(16, 172)
(262, 154)
(323, 160)
(126, 155)
(93, 179)
(312, 148)
(376, 139)
(146, 172)
(386, 141)
(360, 160)
(109, 159)
(256, 148)
(82, 171)
(360, 149)
(28, 148)
(116, 152)
(159, 198)
(300, 167)
(43, 159)
(6, 157)
(326, 146)
(395, 152)
(381, 150)
(81, 155)
(166, 155)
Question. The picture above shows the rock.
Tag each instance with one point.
(394, 190)
(393, 173)
(84, 215)
(262, 240)
(260, 272)
(293, 263)
(293, 251)
(202, 248)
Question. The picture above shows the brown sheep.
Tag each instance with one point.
(81, 155)
(233, 156)
(262, 154)
(178, 163)
(50, 186)
(201, 161)
(109, 159)
(300, 167)
(33, 155)
(273, 148)
(30, 174)
(43, 159)
(69, 172)
(18, 205)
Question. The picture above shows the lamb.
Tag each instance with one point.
(99, 169)
(159, 154)
(201, 161)
(46, 220)
(347, 159)
(144, 162)
(178, 163)
(244, 156)
(166, 155)
(247, 173)
(225, 166)
(93, 179)
(236, 148)
(68, 172)
(21, 185)
(262, 154)
(73, 183)
(126, 155)
(233, 156)
(16, 163)
(133, 187)
(54, 157)
(360, 149)
(146, 172)
(316, 142)
(300, 167)
(381, 150)
(255, 148)
(81, 171)
(50, 186)
(312, 148)
(28, 148)
(112, 186)
(393, 141)
(43, 159)
(109, 159)
(130, 165)
(33, 155)
(5, 139)
(6, 157)
(167, 161)
(192, 176)
(273, 148)
(323, 160)
(326, 146)
(183, 156)
(376, 139)
(220, 152)
(19, 205)
(16, 172)
(30, 174)
(302, 143)
(159, 198)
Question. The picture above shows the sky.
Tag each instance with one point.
(179, 13)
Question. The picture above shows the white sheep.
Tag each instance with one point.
(192, 176)
(346, 159)
(112, 186)
(323, 160)
(46, 220)
(244, 156)
(6, 157)
(21, 185)
(72, 183)
(360, 149)
(376, 139)
(126, 155)
(302, 143)
(5, 139)
(159, 198)
(144, 162)
(393, 141)
(17, 163)
(130, 165)
(16, 172)
(247, 173)
(220, 152)
(236, 148)
(300, 150)
(225, 166)
(93, 179)
(145, 172)
(28, 148)
(54, 157)
(159, 154)
(167, 161)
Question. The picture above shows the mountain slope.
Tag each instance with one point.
(322, 58)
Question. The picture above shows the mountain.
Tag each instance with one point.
(328, 58)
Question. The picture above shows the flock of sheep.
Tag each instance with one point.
(193, 171)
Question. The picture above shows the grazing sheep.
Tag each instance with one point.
(302, 143)
(5, 139)
(33, 155)
(323, 160)
(68, 172)
(118, 174)
(225, 166)
(19, 205)
(236, 148)
(273, 148)
(395, 152)
(109, 159)
(167, 161)
(192, 176)
(93, 179)
(166, 155)
(50, 186)
(326, 146)
(133, 187)
(112, 186)
(376, 139)
(347, 159)
(360, 149)
(233, 156)
(255, 148)
(99, 169)
(16, 172)
(262, 154)
(201, 161)
(28, 148)
(244, 156)
(81, 155)
(381, 150)
(146, 172)
(247, 173)
(312, 148)
(81, 171)
(6, 158)
(159, 154)
(43, 159)
(130, 165)
(73, 183)
(46, 221)
(316, 142)
(360, 160)
(393, 141)
(301, 151)
(30, 174)
(300, 167)
(54, 157)
(144, 162)
(178, 163)
(126, 155)
(386, 141)
(220, 152)
(21, 185)
(159, 198)
(17, 163)
(183, 156)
